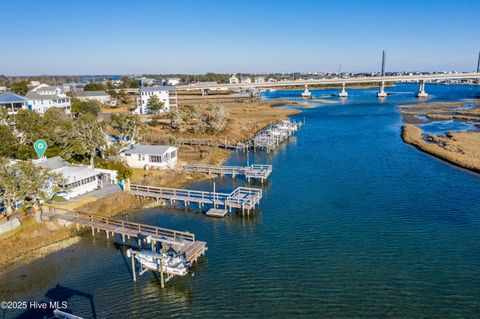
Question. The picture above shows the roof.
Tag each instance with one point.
(10, 97)
(52, 163)
(91, 93)
(35, 96)
(158, 88)
(46, 88)
(149, 149)
(76, 173)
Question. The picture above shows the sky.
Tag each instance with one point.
(155, 36)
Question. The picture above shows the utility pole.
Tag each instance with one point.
(478, 63)
(384, 59)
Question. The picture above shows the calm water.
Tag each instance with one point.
(354, 223)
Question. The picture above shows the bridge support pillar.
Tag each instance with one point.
(421, 91)
(204, 92)
(381, 93)
(344, 93)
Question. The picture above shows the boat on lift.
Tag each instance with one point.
(306, 94)
(169, 263)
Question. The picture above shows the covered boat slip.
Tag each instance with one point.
(243, 198)
(258, 171)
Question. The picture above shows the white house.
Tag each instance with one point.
(165, 94)
(3, 88)
(99, 96)
(172, 81)
(78, 179)
(233, 79)
(259, 79)
(43, 97)
(12, 102)
(150, 157)
(246, 80)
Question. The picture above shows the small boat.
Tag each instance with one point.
(306, 94)
(272, 90)
(169, 263)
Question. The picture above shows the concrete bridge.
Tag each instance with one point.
(420, 78)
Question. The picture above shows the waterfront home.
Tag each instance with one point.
(165, 94)
(99, 96)
(43, 97)
(3, 88)
(246, 80)
(150, 157)
(77, 179)
(172, 81)
(259, 79)
(233, 80)
(12, 102)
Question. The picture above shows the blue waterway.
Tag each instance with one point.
(353, 224)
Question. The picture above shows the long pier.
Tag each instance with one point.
(257, 171)
(243, 198)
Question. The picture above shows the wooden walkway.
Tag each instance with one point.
(243, 198)
(272, 136)
(184, 242)
(257, 171)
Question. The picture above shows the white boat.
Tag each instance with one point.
(306, 94)
(168, 263)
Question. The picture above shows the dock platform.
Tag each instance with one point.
(243, 198)
(215, 212)
(257, 171)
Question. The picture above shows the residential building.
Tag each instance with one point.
(165, 94)
(12, 102)
(172, 81)
(77, 179)
(233, 79)
(259, 79)
(43, 97)
(150, 157)
(3, 89)
(246, 80)
(99, 96)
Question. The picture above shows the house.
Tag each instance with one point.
(3, 89)
(43, 97)
(99, 96)
(150, 157)
(259, 79)
(233, 80)
(77, 179)
(12, 102)
(165, 94)
(246, 80)
(172, 81)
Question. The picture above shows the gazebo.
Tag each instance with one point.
(13, 102)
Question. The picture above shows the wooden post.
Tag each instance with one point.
(133, 268)
(162, 280)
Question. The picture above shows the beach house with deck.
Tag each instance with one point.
(12, 102)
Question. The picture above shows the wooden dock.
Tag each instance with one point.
(215, 212)
(243, 198)
(270, 137)
(256, 171)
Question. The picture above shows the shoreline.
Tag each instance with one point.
(50, 237)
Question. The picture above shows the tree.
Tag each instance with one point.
(84, 138)
(20, 88)
(85, 107)
(8, 147)
(175, 120)
(218, 118)
(129, 83)
(127, 126)
(23, 181)
(94, 87)
(154, 105)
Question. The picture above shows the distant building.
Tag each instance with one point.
(165, 94)
(43, 97)
(12, 102)
(246, 80)
(172, 81)
(259, 79)
(99, 96)
(77, 179)
(233, 80)
(3, 88)
(150, 157)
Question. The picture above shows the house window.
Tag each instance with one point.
(155, 159)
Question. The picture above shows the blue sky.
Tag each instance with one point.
(153, 36)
